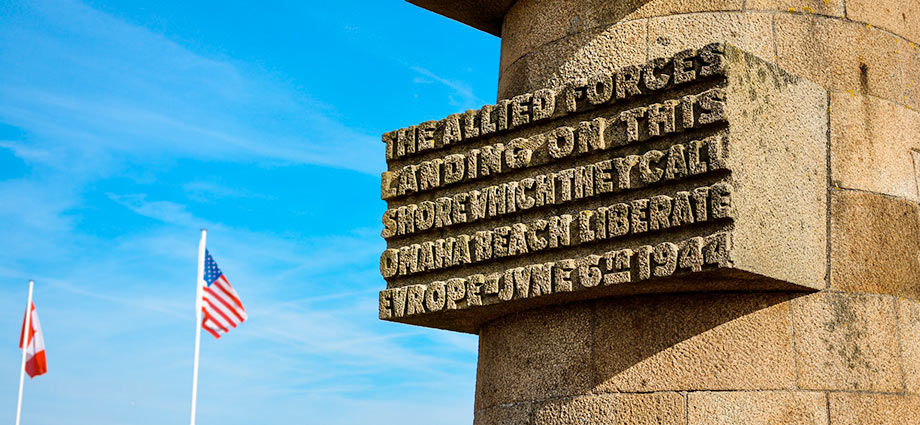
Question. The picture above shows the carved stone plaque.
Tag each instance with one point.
(706, 171)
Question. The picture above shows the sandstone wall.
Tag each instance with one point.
(848, 354)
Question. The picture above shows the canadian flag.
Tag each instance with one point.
(35, 351)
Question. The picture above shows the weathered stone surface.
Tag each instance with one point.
(757, 408)
(874, 409)
(910, 73)
(529, 25)
(595, 51)
(614, 409)
(534, 356)
(820, 7)
(602, 12)
(909, 328)
(839, 55)
(681, 343)
(901, 17)
(847, 342)
(724, 171)
(751, 32)
(510, 414)
(789, 129)
(871, 144)
(874, 244)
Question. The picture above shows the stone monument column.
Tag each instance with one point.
(802, 302)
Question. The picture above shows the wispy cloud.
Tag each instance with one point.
(461, 93)
(203, 191)
(140, 94)
(26, 152)
(165, 211)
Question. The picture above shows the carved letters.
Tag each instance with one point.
(612, 180)
(629, 82)
(567, 275)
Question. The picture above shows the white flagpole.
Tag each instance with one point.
(25, 348)
(198, 294)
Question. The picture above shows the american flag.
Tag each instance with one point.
(220, 302)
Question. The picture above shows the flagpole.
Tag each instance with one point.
(25, 347)
(198, 294)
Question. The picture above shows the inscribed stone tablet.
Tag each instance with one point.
(705, 171)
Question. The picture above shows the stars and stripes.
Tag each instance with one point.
(220, 302)
(35, 347)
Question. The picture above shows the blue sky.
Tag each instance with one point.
(126, 127)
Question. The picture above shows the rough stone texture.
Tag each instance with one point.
(839, 55)
(874, 409)
(517, 77)
(660, 343)
(910, 73)
(599, 50)
(757, 408)
(513, 414)
(604, 12)
(782, 196)
(871, 143)
(534, 356)
(528, 26)
(909, 327)
(820, 7)
(901, 17)
(827, 51)
(752, 32)
(614, 409)
(847, 342)
(874, 244)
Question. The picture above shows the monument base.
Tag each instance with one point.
(707, 359)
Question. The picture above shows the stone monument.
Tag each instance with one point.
(677, 212)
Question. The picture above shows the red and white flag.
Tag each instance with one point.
(35, 348)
